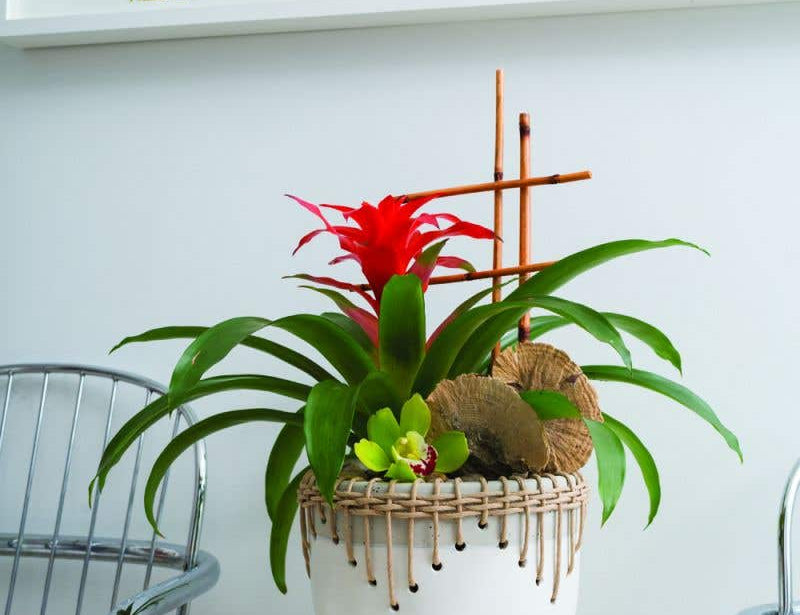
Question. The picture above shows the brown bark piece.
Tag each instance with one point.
(541, 367)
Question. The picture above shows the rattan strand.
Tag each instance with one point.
(570, 499)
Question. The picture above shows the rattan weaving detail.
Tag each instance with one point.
(514, 497)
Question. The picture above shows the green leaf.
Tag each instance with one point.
(209, 348)
(400, 470)
(448, 345)
(282, 459)
(287, 355)
(281, 528)
(481, 342)
(555, 276)
(670, 389)
(328, 420)
(401, 341)
(591, 321)
(453, 451)
(355, 331)
(383, 429)
(150, 414)
(610, 457)
(647, 333)
(467, 304)
(415, 416)
(372, 455)
(647, 464)
(364, 319)
(196, 432)
(540, 325)
(550, 405)
(377, 391)
(332, 342)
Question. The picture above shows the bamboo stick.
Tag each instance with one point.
(497, 247)
(524, 328)
(508, 184)
(482, 275)
(497, 254)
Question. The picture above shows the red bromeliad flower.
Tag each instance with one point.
(388, 240)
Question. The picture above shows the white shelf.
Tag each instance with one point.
(46, 23)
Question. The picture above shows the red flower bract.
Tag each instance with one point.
(390, 239)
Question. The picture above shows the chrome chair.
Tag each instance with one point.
(786, 604)
(33, 397)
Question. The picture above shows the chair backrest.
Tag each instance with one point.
(55, 421)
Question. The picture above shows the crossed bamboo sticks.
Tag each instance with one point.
(524, 183)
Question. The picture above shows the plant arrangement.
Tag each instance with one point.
(401, 400)
(512, 418)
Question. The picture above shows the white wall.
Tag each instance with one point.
(141, 185)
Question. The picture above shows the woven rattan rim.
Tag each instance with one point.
(514, 497)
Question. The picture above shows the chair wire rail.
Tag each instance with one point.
(198, 570)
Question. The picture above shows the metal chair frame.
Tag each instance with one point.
(786, 604)
(200, 570)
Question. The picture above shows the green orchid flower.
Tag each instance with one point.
(400, 449)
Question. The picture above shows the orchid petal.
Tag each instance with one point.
(372, 455)
(415, 416)
(400, 470)
(453, 451)
(383, 428)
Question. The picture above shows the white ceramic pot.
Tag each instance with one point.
(438, 572)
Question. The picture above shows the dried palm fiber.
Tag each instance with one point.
(504, 435)
(541, 367)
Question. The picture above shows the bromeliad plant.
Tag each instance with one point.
(372, 406)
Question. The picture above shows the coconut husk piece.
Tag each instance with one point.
(541, 367)
(504, 436)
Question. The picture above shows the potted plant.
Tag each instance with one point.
(442, 471)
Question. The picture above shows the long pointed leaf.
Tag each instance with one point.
(377, 391)
(448, 344)
(425, 262)
(281, 528)
(539, 326)
(196, 432)
(328, 420)
(283, 458)
(555, 276)
(610, 457)
(647, 333)
(162, 406)
(550, 405)
(481, 341)
(644, 332)
(467, 304)
(209, 348)
(332, 342)
(364, 319)
(647, 464)
(401, 344)
(666, 387)
(588, 319)
(287, 355)
(354, 331)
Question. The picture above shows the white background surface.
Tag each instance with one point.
(141, 185)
